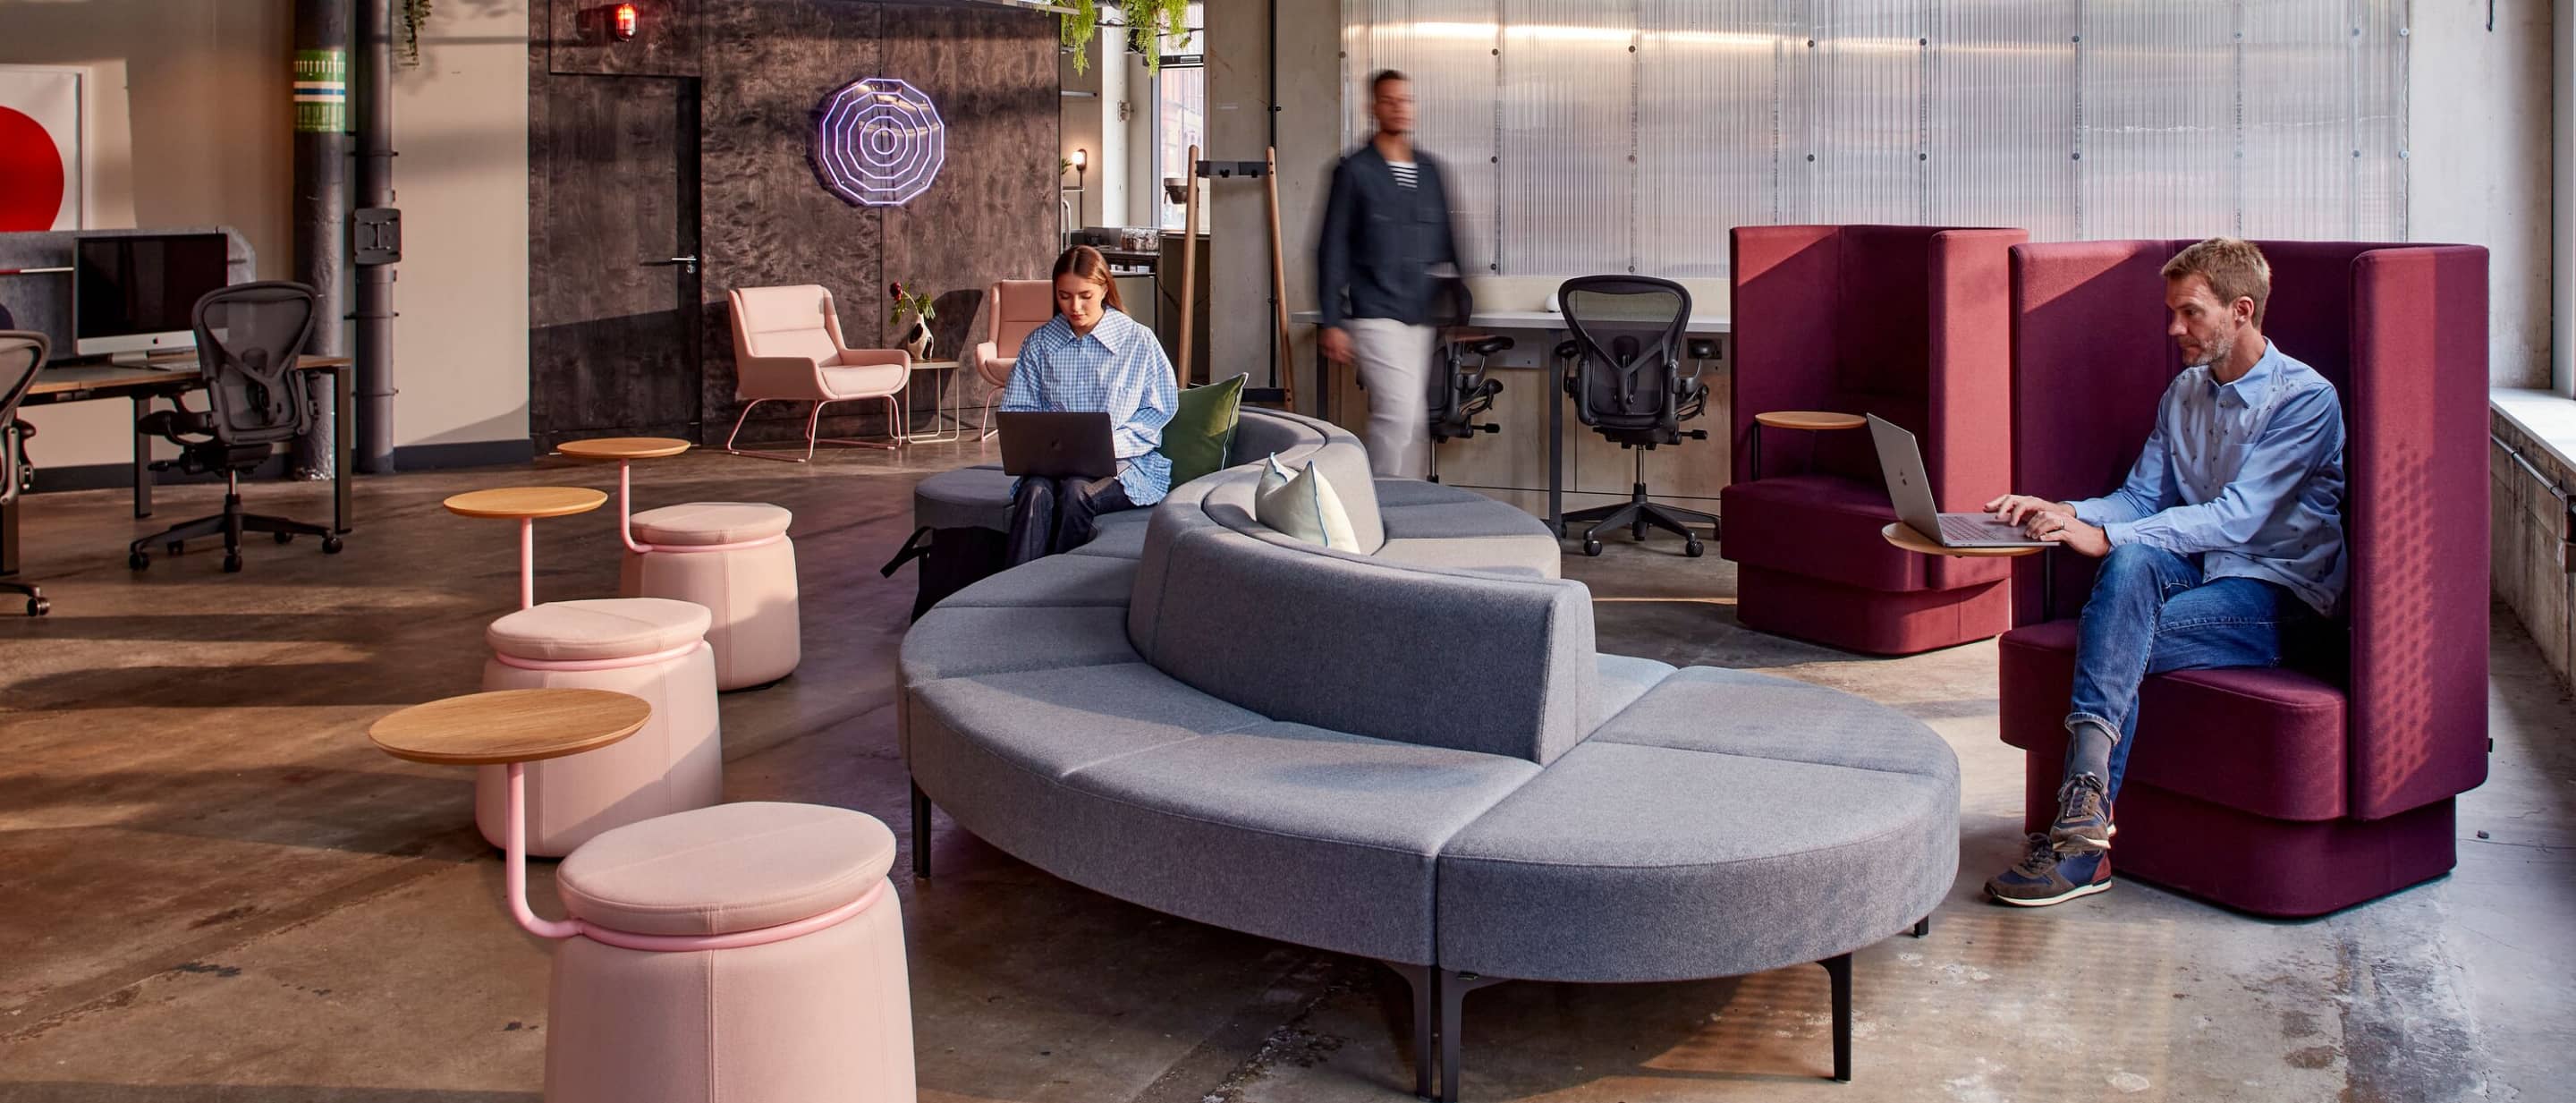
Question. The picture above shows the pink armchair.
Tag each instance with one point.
(787, 347)
(1014, 309)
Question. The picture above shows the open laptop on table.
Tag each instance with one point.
(1070, 445)
(1911, 491)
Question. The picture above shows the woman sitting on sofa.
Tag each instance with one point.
(1090, 356)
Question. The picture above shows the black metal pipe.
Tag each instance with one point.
(375, 184)
(322, 201)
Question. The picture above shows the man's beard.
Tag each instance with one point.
(2215, 352)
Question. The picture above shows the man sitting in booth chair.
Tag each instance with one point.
(2227, 537)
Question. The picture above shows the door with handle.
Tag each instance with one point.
(614, 271)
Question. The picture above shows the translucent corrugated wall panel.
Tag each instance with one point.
(1447, 47)
(2003, 116)
(2298, 132)
(1708, 143)
(1871, 160)
(1568, 132)
(2158, 119)
(2379, 80)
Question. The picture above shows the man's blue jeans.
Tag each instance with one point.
(2152, 612)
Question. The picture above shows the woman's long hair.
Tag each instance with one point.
(1086, 262)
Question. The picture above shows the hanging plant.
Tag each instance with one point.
(1077, 31)
(415, 15)
(1146, 24)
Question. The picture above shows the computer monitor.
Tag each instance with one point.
(134, 295)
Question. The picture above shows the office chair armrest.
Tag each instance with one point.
(176, 425)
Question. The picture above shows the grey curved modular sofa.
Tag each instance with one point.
(1414, 755)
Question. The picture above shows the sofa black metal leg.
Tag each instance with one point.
(920, 833)
(1923, 926)
(1419, 979)
(1453, 1002)
(1838, 970)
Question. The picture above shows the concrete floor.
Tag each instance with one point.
(212, 888)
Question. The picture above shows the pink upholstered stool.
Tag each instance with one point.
(823, 1015)
(732, 557)
(735, 559)
(652, 648)
(740, 952)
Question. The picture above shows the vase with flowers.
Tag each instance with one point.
(916, 333)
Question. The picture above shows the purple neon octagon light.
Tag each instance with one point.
(879, 142)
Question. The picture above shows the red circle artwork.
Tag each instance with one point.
(31, 174)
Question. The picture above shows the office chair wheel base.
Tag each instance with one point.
(37, 607)
(331, 545)
(137, 560)
(1591, 547)
(232, 564)
(1693, 549)
(284, 537)
(1637, 532)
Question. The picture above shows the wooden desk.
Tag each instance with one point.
(1552, 375)
(169, 377)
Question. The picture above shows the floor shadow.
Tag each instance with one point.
(65, 1091)
(280, 685)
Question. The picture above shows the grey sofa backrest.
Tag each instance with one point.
(1468, 661)
(1259, 433)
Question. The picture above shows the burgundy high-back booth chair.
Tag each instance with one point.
(2297, 791)
(1907, 322)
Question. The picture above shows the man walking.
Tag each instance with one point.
(1386, 226)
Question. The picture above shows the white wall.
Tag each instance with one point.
(188, 126)
(1109, 178)
(461, 125)
(2482, 155)
(2562, 297)
(1080, 126)
(1310, 135)
(195, 129)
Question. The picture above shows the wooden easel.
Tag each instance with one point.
(1268, 170)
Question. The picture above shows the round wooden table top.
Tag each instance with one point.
(1810, 419)
(1903, 535)
(526, 501)
(511, 725)
(623, 448)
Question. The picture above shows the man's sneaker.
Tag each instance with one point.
(2046, 876)
(2083, 816)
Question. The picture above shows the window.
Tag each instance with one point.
(1591, 137)
(1180, 115)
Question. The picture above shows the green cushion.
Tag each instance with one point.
(1201, 431)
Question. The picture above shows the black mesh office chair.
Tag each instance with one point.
(1628, 386)
(22, 354)
(256, 401)
(1459, 394)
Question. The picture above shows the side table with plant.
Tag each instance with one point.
(916, 335)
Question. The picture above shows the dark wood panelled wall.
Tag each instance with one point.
(603, 181)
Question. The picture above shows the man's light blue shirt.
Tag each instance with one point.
(2247, 475)
(1117, 368)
